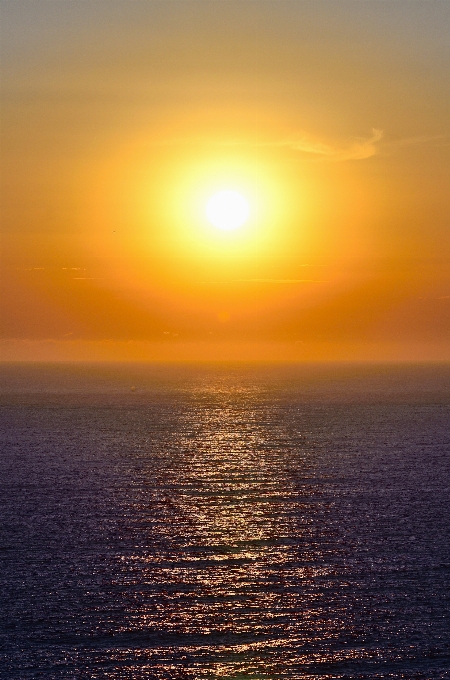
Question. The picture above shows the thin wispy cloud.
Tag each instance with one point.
(414, 141)
(357, 149)
(280, 281)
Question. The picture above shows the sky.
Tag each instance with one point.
(121, 118)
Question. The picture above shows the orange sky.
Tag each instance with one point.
(120, 119)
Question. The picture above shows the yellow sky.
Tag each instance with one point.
(120, 119)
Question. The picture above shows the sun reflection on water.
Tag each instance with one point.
(228, 579)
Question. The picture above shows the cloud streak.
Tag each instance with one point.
(359, 149)
(280, 281)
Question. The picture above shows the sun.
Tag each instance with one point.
(227, 210)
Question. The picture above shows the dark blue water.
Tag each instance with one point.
(225, 521)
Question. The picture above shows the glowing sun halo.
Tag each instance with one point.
(227, 210)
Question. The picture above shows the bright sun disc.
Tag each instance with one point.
(227, 210)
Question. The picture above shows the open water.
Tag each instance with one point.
(225, 521)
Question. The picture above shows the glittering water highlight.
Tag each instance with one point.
(225, 521)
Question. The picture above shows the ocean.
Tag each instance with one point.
(225, 521)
